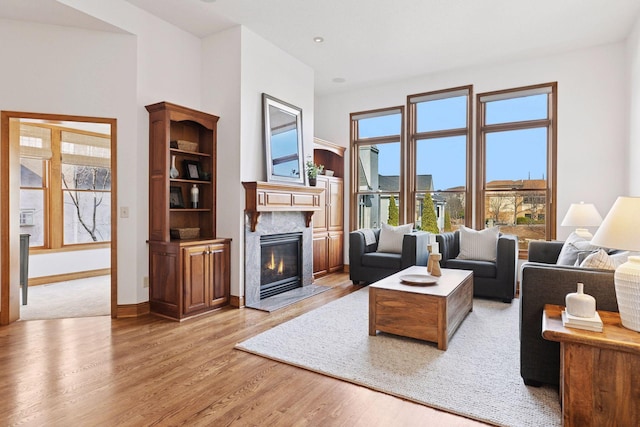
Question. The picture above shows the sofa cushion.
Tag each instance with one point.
(604, 261)
(391, 237)
(479, 268)
(382, 260)
(479, 245)
(573, 247)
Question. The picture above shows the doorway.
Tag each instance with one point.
(57, 183)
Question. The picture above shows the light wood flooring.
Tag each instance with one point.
(150, 371)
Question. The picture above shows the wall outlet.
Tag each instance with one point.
(124, 212)
(145, 281)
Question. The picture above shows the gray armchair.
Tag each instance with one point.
(367, 265)
(490, 279)
(544, 282)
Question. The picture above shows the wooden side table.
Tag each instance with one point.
(600, 371)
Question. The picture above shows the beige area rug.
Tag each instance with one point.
(477, 377)
(74, 298)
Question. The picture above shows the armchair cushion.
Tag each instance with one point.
(479, 268)
(479, 245)
(391, 237)
(573, 247)
(382, 260)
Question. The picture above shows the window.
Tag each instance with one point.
(516, 153)
(65, 189)
(439, 147)
(377, 168)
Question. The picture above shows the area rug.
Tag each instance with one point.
(477, 377)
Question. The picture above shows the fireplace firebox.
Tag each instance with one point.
(281, 263)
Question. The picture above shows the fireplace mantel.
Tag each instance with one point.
(275, 197)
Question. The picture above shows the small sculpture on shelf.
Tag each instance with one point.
(195, 194)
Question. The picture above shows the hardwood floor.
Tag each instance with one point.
(151, 371)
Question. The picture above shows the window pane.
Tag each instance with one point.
(441, 114)
(517, 109)
(387, 125)
(448, 211)
(517, 212)
(31, 172)
(379, 167)
(516, 156)
(87, 216)
(375, 209)
(441, 163)
(32, 215)
(86, 177)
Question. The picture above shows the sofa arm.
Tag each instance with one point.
(415, 249)
(507, 259)
(544, 251)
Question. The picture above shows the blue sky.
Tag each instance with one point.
(510, 155)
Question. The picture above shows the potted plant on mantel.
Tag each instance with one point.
(312, 171)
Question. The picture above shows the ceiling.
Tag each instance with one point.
(370, 42)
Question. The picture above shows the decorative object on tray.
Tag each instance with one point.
(621, 230)
(419, 279)
(580, 304)
(173, 172)
(582, 215)
(185, 233)
(195, 195)
(593, 323)
(175, 198)
(186, 145)
(312, 171)
(433, 265)
(192, 169)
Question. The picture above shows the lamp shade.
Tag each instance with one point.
(582, 215)
(621, 227)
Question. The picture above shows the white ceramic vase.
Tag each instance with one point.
(580, 304)
(173, 172)
(627, 282)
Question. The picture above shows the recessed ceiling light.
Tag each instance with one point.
(208, 1)
(339, 80)
(318, 39)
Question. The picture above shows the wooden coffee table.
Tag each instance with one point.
(426, 312)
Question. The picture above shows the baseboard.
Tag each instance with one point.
(236, 302)
(43, 280)
(133, 310)
(345, 268)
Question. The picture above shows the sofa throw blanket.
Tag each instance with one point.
(369, 236)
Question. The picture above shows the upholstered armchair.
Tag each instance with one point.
(491, 279)
(368, 265)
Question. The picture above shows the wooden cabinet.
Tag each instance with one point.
(189, 265)
(328, 223)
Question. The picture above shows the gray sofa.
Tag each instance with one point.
(366, 265)
(544, 282)
(490, 279)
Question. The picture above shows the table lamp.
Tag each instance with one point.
(621, 230)
(582, 215)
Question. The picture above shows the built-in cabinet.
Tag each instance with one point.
(328, 222)
(189, 267)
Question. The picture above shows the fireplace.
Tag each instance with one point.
(280, 263)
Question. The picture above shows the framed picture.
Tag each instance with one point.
(175, 198)
(192, 169)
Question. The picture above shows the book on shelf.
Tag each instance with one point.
(587, 323)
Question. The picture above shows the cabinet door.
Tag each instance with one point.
(320, 265)
(219, 276)
(335, 204)
(164, 280)
(336, 256)
(196, 278)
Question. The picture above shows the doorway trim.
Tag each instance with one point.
(9, 239)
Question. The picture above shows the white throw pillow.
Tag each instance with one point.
(391, 237)
(572, 247)
(604, 261)
(479, 245)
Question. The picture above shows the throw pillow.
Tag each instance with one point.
(604, 261)
(391, 237)
(479, 245)
(572, 247)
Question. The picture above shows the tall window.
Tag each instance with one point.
(65, 193)
(439, 159)
(516, 148)
(377, 154)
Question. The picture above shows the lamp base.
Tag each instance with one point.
(584, 233)
(627, 282)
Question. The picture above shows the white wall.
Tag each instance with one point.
(41, 265)
(238, 66)
(592, 115)
(633, 47)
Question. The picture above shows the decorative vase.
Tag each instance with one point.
(627, 283)
(173, 172)
(195, 193)
(312, 181)
(580, 304)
